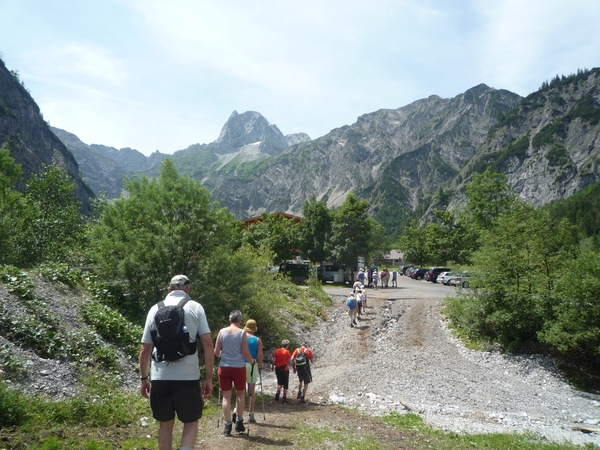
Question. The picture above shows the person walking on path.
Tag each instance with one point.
(364, 299)
(359, 303)
(303, 358)
(256, 350)
(352, 308)
(385, 277)
(394, 278)
(361, 276)
(175, 386)
(375, 279)
(282, 360)
(232, 347)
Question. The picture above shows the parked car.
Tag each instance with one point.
(330, 272)
(402, 270)
(433, 273)
(462, 280)
(444, 278)
(298, 272)
(419, 274)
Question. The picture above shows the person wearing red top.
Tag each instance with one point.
(282, 358)
(302, 367)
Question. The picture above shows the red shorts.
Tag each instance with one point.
(235, 376)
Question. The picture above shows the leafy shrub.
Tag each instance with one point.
(574, 327)
(88, 352)
(13, 407)
(61, 273)
(113, 327)
(12, 367)
(17, 282)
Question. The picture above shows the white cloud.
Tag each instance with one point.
(168, 74)
(89, 62)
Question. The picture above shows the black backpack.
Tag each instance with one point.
(169, 334)
(300, 358)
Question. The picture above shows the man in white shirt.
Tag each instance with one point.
(175, 386)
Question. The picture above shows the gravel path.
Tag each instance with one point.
(402, 358)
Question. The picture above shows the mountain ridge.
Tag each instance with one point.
(29, 139)
(413, 158)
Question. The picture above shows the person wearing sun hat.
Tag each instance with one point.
(256, 350)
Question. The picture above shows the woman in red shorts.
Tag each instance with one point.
(232, 347)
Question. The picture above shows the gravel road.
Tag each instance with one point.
(402, 358)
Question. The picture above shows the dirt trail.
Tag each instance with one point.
(401, 358)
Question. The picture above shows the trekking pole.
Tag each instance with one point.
(250, 397)
(219, 406)
(261, 393)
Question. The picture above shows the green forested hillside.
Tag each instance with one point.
(581, 209)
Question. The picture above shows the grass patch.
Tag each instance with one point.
(451, 441)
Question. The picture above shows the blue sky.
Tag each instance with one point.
(162, 75)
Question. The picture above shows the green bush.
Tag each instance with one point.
(574, 326)
(113, 327)
(14, 407)
(17, 282)
(12, 367)
(60, 273)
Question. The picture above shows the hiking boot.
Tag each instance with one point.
(277, 396)
(354, 322)
(299, 395)
(239, 426)
(284, 400)
(352, 325)
(251, 418)
(227, 430)
(302, 400)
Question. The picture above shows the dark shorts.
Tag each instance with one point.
(283, 376)
(304, 374)
(232, 376)
(182, 397)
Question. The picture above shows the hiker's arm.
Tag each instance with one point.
(145, 353)
(260, 353)
(209, 359)
(218, 345)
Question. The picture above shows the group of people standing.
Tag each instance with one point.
(175, 387)
(373, 277)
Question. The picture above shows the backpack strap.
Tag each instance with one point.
(161, 304)
(183, 301)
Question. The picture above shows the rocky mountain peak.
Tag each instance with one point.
(248, 128)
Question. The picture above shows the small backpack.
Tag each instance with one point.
(351, 303)
(170, 336)
(300, 358)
